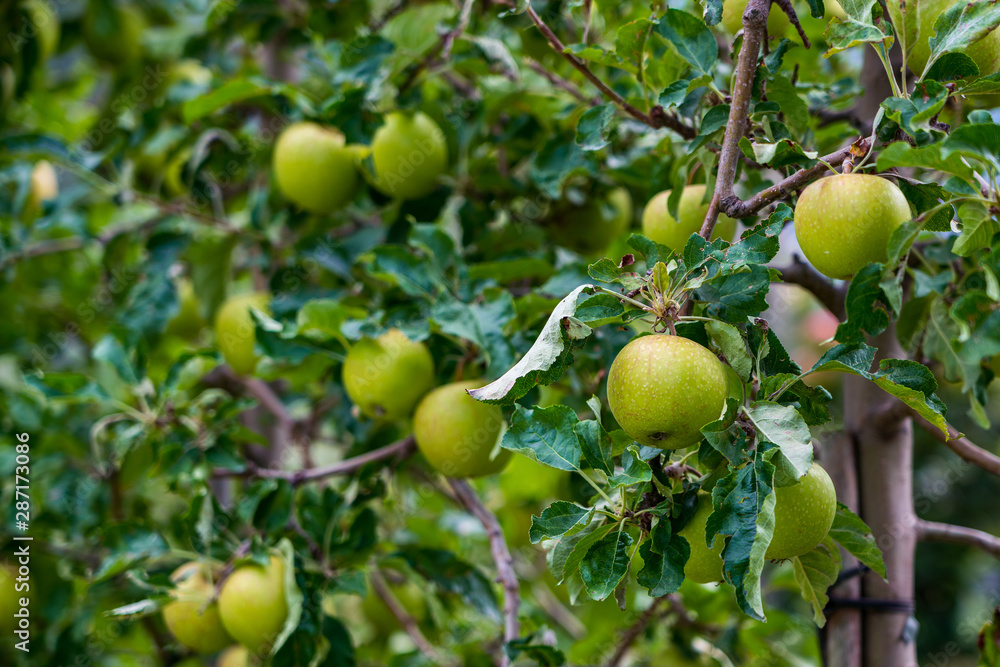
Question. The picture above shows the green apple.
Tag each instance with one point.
(660, 226)
(409, 152)
(381, 617)
(112, 33)
(253, 607)
(843, 222)
(9, 600)
(589, 229)
(415, 29)
(188, 322)
(44, 187)
(314, 168)
(386, 376)
(526, 481)
(662, 389)
(732, 18)
(45, 21)
(457, 434)
(234, 656)
(705, 565)
(803, 514)
(235, 332)
(919, 22)
(193, 617)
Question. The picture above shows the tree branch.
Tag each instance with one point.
(440, 53)
(657, 117)
(632, 633)
(501, 556)
(407, 621)
(804, 275)
(398, 450)
(961, 445)
(932, 531)
(560, 82)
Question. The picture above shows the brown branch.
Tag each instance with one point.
(848, 116)
(804, 275)
(442, 51)
(389, 14)
(560, 82)
(932, 531)
(400, 450)
(961, 445)
(501, 556)
(632, 633)
(786, 6)
(408, 623)
(754, 34)
(657, 117)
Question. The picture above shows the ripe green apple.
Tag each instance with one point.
(843, 222)
(919, 25)
(235, 332)
(381, 617)
(314, 168)
(409, 152)
(386, 376)
(191, 617)
(112, 32)
(456, 433)
(660, 226)
(705, 565)
(527, 482)
(803, 514)
(45, 21)
(234, 656)
(188, 322)
(589, 229)
(252, 605)
(662, 389)
(732, 18)
(9, 600)
(44, 188)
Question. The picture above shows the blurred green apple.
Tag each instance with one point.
(386, 376)
(188, 322)
(410, 153)
(409, 595)
(314, 168)
(662, 389)
(843, 222)
(527, 481)
(235, 332)
(112, 32)
(589, 229)
(253, 607)
(234, 656)
(803, 514)
(192, 617)
(457, 434)
(704, 565)
(660, 226)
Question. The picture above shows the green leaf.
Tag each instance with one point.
(691, 37)
(547, 359)
(914, 114)
(735, 297)
(914, 384)
(961, 25)
(594, 127)
(605, 564)
(565, 556)
(978, 228)
(977, 140)
(534, 648)
(557, 519)
(923, 197)
(634, 469)
(630, 40)
(854, 358)
(453, 575)
(664, 556)
(607, 271)
(293, 596)
(784, 426)
(815, 572)
(867, 306)
(545, 435)
(902, 154)
(597, 445)
(230, 92)
(858, 28)
(729, 339)
(853, 534)
(953, 67)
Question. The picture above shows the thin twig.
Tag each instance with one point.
(636, 629)
(501, 556)
(657, 117)
(389, 14)
(400, 449)
(442, 51)
(560, 82)
(932, 531)
(804, 275)
(961, 445)
(407, 621)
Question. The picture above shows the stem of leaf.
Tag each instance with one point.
(597, 488)
(622, 297)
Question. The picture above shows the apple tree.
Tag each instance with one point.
(441, 332)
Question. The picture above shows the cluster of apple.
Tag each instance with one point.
(663, 389)
(316, 169)
(244, 619)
